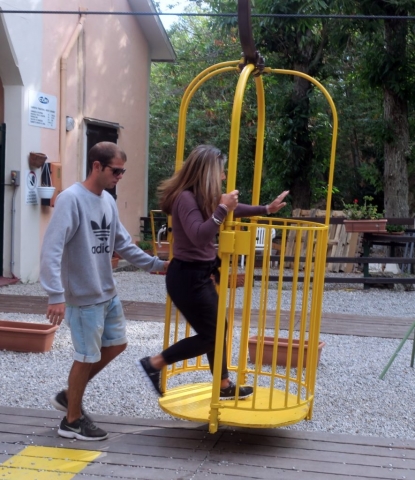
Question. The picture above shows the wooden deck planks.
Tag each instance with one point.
(152, 449)
(284, 475)
(332, 323)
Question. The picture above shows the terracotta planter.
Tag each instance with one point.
(240, 280)
(282, 351)
(36, 160)
(368, 226)
(26, 337)
(163, 251)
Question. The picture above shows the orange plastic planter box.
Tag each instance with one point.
(282, 351)
(26, 337)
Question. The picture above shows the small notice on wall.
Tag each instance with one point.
(42, 110)
(31, 184)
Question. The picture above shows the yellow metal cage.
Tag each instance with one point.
(283, 394)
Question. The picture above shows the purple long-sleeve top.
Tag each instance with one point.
(193, 235)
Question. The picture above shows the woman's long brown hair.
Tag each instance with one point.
(201, 174)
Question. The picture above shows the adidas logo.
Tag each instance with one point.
(101, 232)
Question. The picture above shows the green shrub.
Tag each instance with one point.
(145, 245)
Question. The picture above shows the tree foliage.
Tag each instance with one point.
(352, 61)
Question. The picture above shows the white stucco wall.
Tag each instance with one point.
(108, 74)
(25, 46)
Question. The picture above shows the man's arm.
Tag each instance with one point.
(61, 228)
(133, 254)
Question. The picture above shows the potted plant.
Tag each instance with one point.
(146, 246)
(37, 160)
(46, 190)
(395, 229)
(364, 217)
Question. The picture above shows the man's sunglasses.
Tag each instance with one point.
(117, 171)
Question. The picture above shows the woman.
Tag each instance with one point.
(193, 197)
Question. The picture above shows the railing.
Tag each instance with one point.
(369, 239)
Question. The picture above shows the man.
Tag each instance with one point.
(76, 268)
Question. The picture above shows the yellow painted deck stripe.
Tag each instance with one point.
(46, 463)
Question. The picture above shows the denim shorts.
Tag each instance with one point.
(96, 326)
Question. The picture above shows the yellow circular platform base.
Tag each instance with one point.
(192, 402)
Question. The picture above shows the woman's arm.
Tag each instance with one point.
(243, 210)
(199, 231)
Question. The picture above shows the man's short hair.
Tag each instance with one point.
(104, 152)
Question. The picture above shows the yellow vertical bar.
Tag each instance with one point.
(247, 304)
(304, 310)
(225, 258)
(166, 340)
(296, 266)
(277, 321)
(316, 307)
(235, 127)
(153, 230)
(259, 149)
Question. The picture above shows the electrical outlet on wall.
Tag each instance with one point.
(15, 177)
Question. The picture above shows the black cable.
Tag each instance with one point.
(254, 15)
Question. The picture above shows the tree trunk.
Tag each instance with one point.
(301, 194)
(396, 151)
(301, 184)
(396, 148)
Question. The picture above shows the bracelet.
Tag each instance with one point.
(216, 220)
(225, 207)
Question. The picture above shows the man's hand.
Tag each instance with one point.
(166, 266)
(55, 313)
(278, 203)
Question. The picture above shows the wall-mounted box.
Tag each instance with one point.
(56, 176)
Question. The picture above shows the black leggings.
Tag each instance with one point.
(193, 292)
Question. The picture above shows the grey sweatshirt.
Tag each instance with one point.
(75, 263)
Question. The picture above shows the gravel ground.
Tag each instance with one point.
(350, 397)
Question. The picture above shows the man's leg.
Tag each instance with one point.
(107, 355)
(109, 327)
(78, 372)
(77, 381)
(81, 374)
(75, 424)
(87, 325)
